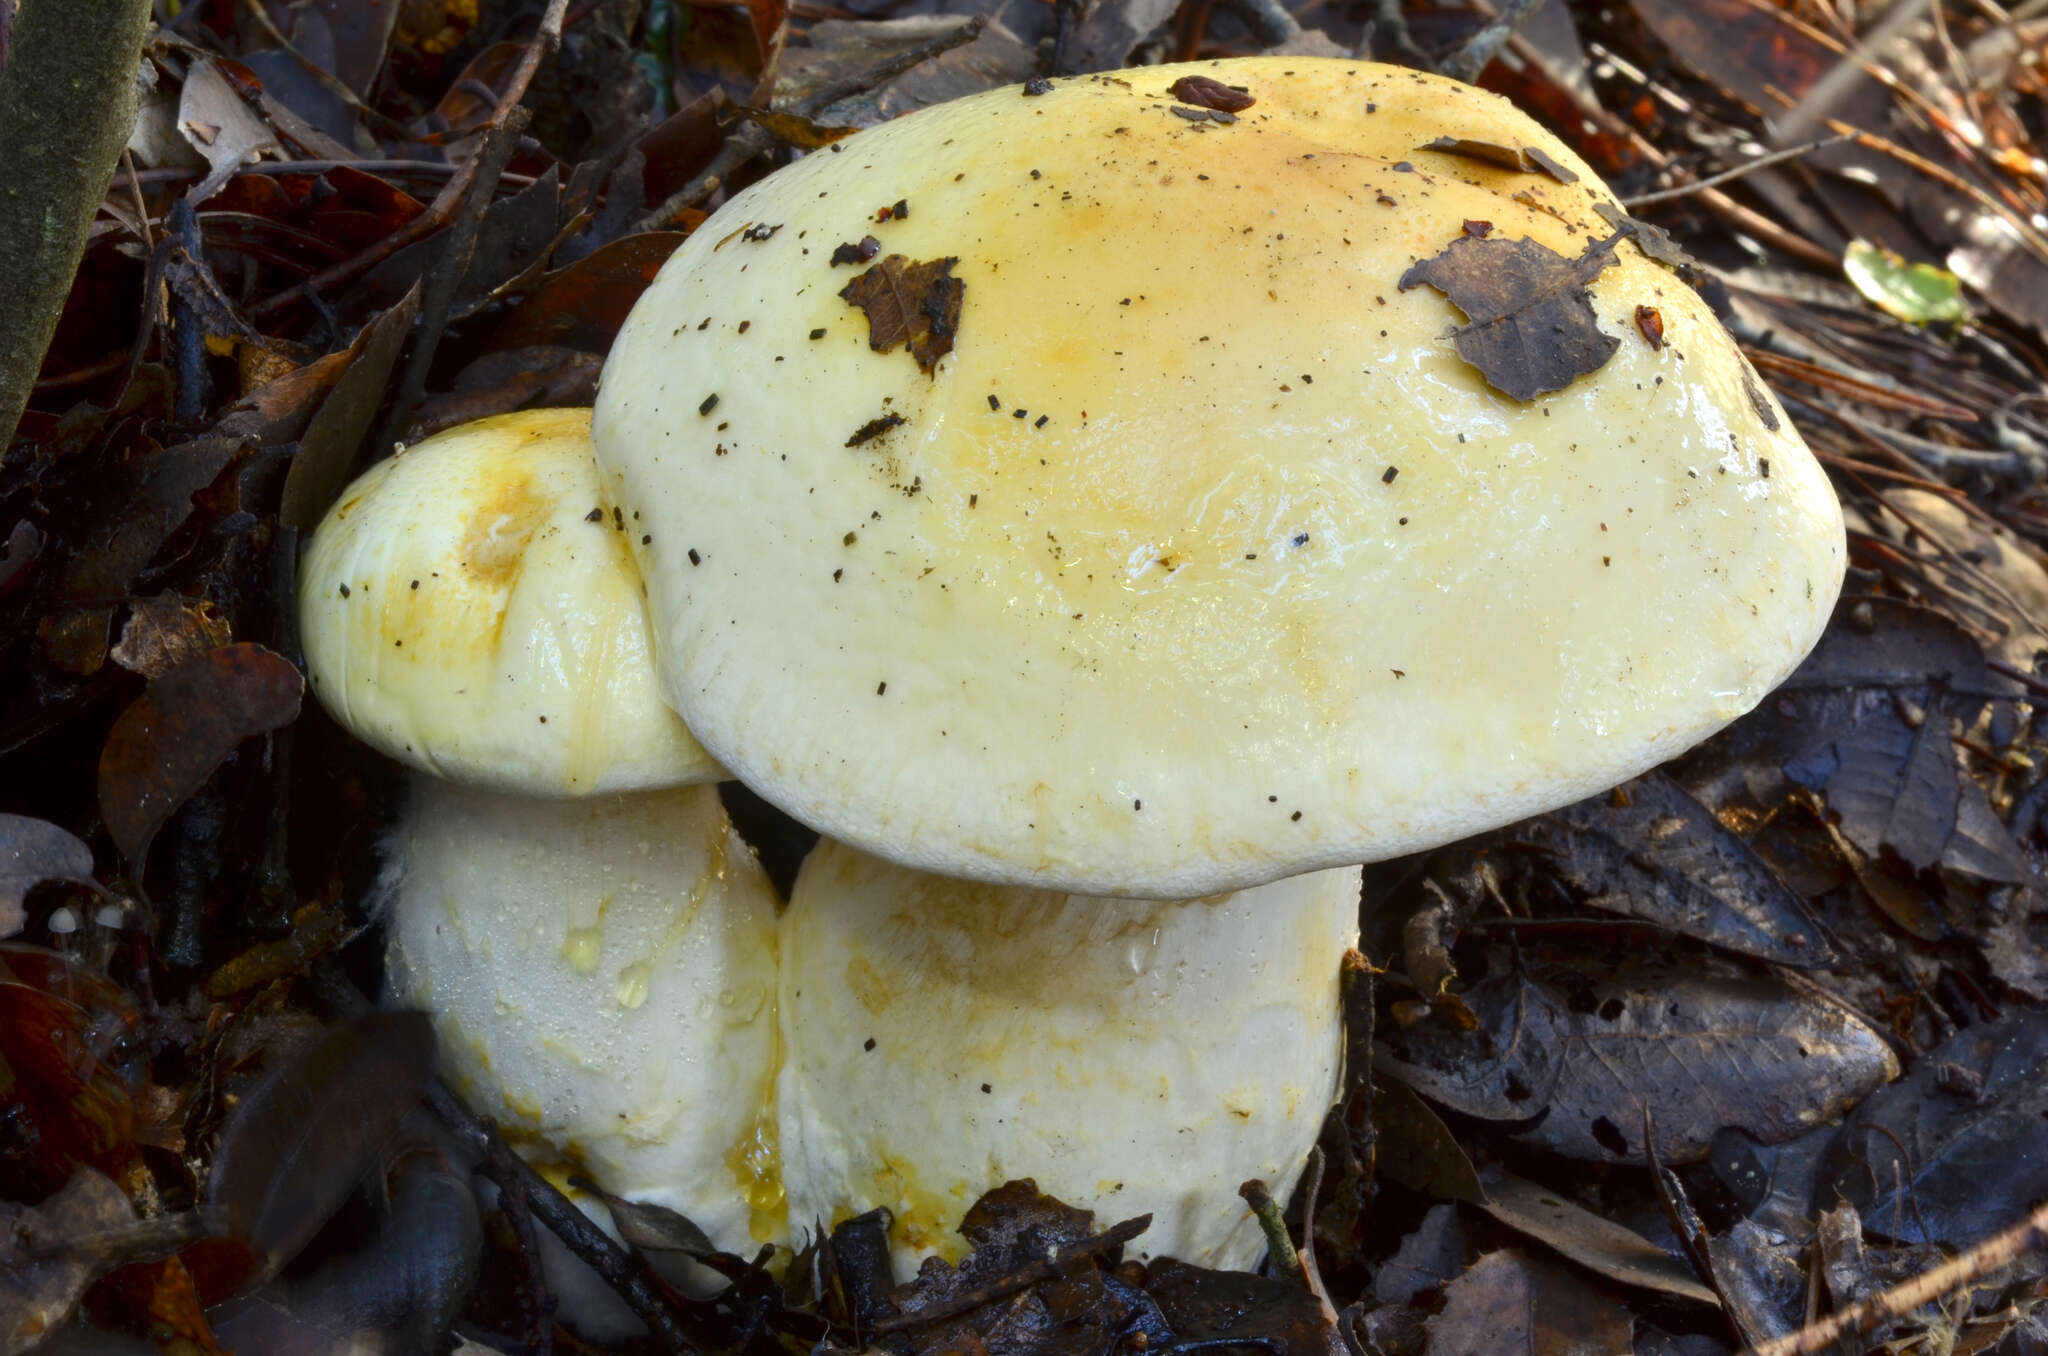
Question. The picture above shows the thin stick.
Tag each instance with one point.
(1730, 175)
(1953, 1275)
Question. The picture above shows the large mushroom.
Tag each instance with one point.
(564, 892)
(1160, 483)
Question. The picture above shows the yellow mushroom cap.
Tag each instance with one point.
(941, 1037)
(1200, 557)
(469, 607)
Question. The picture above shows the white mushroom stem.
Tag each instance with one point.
(602, 976)
(941, 1037)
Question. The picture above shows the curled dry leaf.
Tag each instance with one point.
(1527, 159)
(220, 126)
(165, 745)
(31, 852)
(328, 447)
(165, 631)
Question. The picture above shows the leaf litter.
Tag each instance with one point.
(1852, 869)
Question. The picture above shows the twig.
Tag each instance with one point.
(1730, 175)
(1062, 1261)
(444, 280)
(750, 141)
(1279, 1243)
(517, 1203)
(1479, 50)
(1953, 1275)
(625, 1272)
(188, 334)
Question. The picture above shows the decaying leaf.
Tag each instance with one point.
(1526, 159)
(1654, 241)
(220, 126)
(301, 1139)
(1511, 1304)
(1530, 327)
(1957, 1149)
(1649, 850)
(332, 440)
(1593, 1241)
(31, 852)
(165, 745)
(44, 1277)
(906, 303)
(164, 631)
(1572, 1046)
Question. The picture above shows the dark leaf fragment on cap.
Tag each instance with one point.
(1526, 159)
(1203, 92)
(1530, 326)
(910, 303)
(1652, 240)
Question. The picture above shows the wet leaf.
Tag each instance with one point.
(1649, 850)
(1958, 1148)
(1509, 1303)
(1919, 294)
(31, 852)
(45, 1278)
(906, 303)
(1572, 1046)
(56, 1024)
(334, 437)
(303, 1137)
(1200, 1305)
(169, 741)
(1529, 325)
(164, 631)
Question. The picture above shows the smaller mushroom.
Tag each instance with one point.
(943, 1036)
(564, 893)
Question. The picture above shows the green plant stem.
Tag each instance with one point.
(67, 103)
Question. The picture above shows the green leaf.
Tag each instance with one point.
(1917, 293)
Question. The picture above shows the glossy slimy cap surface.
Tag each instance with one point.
(1183, 550)
(464, 612)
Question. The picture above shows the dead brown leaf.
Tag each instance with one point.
(1530, 327)
(169, 741)
(917, 304)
